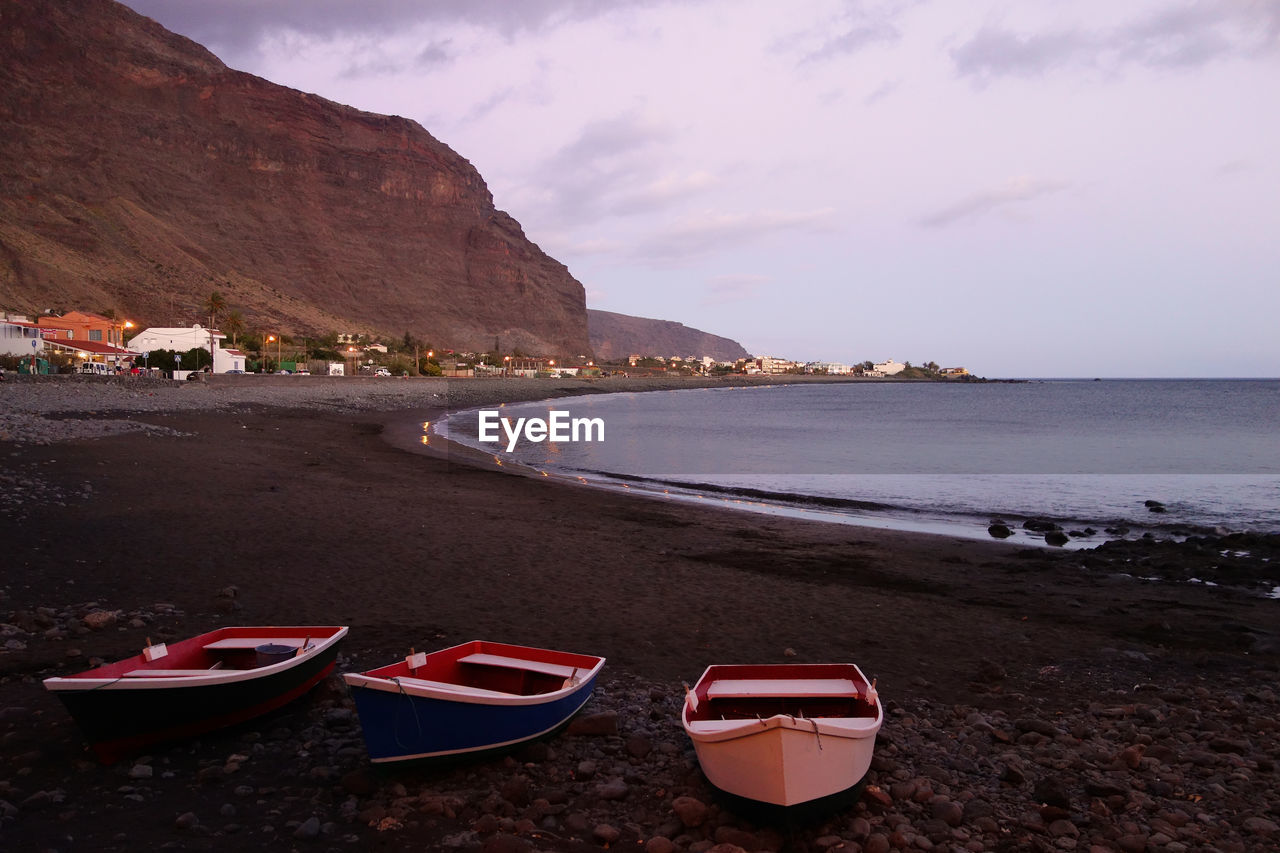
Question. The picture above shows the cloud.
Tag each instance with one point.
(590, 247)
(609, 169)
(993, 52)
(1188, 36)
(710, 232)
(662, 193)
(434, 54)
(239, 25)
(858, 27)
(1016, 191)
(882, 91)
(482, 108)
(855, 38)
(1236, 167)
(724, 289)
(375, 66)
(601, 142)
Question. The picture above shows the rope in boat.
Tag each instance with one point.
(395, 730)
(816, 733)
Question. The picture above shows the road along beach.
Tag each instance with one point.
(1033, 699)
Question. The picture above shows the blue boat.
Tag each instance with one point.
(475, 698)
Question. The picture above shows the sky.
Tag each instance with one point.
(1029, 188)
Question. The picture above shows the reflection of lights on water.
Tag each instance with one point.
(544, 473)
(426, 440)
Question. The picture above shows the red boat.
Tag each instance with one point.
(194, 686)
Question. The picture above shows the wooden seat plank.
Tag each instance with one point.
(781, 688)
(556, 669)
(252, 642)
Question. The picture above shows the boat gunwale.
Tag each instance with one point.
(207, 678)
(424, 689)
(841, 726)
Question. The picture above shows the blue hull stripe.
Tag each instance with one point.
(401, 727)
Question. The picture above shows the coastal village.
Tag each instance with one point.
(101, 344)
(261, 591)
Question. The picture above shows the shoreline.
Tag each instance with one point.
(1020, 684)
(1023, 525)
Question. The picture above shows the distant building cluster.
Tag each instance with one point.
(97, 343)
(771, 365)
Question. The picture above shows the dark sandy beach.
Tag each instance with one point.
(309, 515)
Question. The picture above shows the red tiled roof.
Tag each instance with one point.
(95, 347)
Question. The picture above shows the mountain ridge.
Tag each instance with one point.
(616, 336)
(139, 173)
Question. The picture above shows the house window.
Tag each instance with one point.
(95, 334)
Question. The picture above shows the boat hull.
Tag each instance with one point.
(784, 735)
(411, 717)
(404, 727)
(121, 716)
(785, 765)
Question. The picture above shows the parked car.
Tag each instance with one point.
(382, 371)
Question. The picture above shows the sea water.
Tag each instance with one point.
(944, 457)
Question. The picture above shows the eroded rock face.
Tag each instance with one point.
(138, 173)
(621, 335)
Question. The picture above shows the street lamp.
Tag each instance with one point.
(271, 338)
(506, 365)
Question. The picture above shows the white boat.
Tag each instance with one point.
(783, 734)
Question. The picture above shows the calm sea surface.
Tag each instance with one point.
(939, 456)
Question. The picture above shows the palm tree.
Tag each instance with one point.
(235, 325)
(215, 305)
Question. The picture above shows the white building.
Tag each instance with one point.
(773, 364)
(19, 336)
(888, 368)
(831, 368)
(181, 339)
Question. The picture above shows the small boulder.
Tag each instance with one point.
(603, 723)
(691, 811)
(100, 619)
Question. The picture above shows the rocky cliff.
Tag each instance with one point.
(138, 174)
(619, 335)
